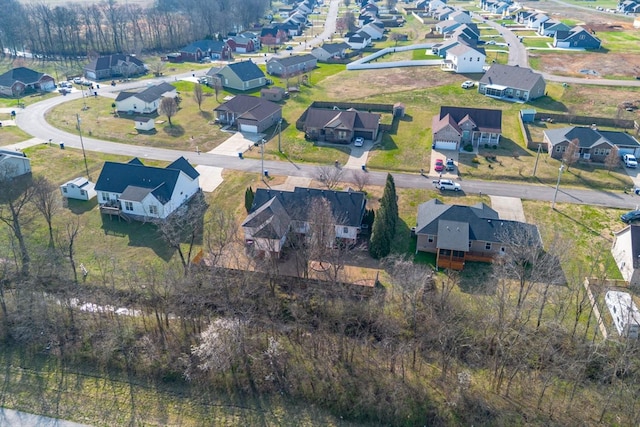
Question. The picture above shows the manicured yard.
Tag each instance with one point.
(620, 41)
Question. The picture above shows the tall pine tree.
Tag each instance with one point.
(389, 203)
(380, 243)
(248, 199)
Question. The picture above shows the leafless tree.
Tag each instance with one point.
(198, 95)
(329, 176)
(67, 242)
(46, 199)
(325, 246)
(613, 159)
(168, 107)
(361, 179)
(572, 153)
(220, 231)
(157, 67)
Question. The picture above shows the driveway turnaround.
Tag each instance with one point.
(509, 208)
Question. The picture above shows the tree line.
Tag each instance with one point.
(80, 30)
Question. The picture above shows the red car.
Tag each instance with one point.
(439, 165)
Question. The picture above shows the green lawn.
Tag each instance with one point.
(620, 41)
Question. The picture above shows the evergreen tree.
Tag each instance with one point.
(389, 203)
(248, 199)
(380, 243)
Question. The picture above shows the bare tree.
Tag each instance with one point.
(47, 201)
(396, 37)
(198, 95)
(613, 159)
(168, 107)
(220, 231)
(157, 67)
(329, 176)
(67, 242)
(361, 179)
(572, 153)
(217, 87)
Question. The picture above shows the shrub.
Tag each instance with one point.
(475, 160)
(468, 147)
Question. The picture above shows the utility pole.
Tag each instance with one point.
(262, 157)
(535, 167)
(279, 135)
(560, 169)
(86, 167)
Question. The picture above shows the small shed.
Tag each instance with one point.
(528, 116)
(145, 124)
(273, 94)
(398, 110)
(79, 188)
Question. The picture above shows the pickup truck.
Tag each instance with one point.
(630, 161)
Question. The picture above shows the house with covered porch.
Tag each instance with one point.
(511, 82)
(456, 127)
(593, 144)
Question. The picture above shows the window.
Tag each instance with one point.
(105, 196)
(487, 246)
(64, 189)
(345, 230)
(128, 206)
(82, 193)
(153, 209)
(502, 249)
(430, 239)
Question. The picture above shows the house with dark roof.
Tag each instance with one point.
(273, 36)
(512, 83)
(458, 233)
(593, 144)
(248, 113)
(242, 76)
(577, 37)
(13, 164)
(291, 65)
(375, 31)
(359, 40)
(329, 51)
(456, 127)
(22, 80)
(135, 191)
(628, 6)
(339, 126)
(79, 188)
(241, 44)
(213, 49)
(551, 27)
(275, 214)
(145, 102)
(626, 253)
(116, 65)
(466, 33)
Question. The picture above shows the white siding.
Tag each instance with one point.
(622, 253)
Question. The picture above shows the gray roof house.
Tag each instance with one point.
(135, 191)
(593, 144)
(21, 80)
(276, 213)
(626, 253)
(340, 126)
(145, 102)
(330, 50)
(458, 233)
(242, 76)
(291, 65)
(249, 113)
(577, 37)
(116, 65)
(512, 83)
(458, 126)
(551, 27)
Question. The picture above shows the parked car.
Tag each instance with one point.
(450, 165)
(491, 42)
(77, 80)
(631, 216)
(288, 48)
(468, 84)
(439, 165)
(359, 141)
(447, 184)
(630, 160)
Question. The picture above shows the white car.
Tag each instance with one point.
(468, 84)
(359, 141)
(446, 184)
(630, 160)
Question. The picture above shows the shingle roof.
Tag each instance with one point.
(154, 92)
(588, 137)
(333, 48)
(204, 46)
(347, 206)
(271, 220)
(21, 74)
(510, 76)
(485, 119)
(287, 61)
(249, 106)
(108, 61)
(246, 70)
(134, 176)
(349, 119)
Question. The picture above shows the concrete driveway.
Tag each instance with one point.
(509, 208)
(444, 155)
(237, 143)
(634, 174)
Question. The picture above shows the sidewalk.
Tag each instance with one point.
(19, 146)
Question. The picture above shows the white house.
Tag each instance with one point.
(13, 163)
(626, 253)
(624, 312)
(359, 40)
(135, 191)
(79, 188)
(461, 16)
(145, 124)
(147, 101)
(374, 31)
(463, 58)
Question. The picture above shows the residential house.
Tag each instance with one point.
(456, 127)
(442, 13)
(145, 102)
(626, 253)
(329, 51)
(628, 7)
(291, 65)
(551, 27)
(512, 82)
(457, 233)
(359, 40)
(441, 49)
(249, 113)
(577, 37)
(78, 188)
(447, 26)
(624, 312)
(135, 191)
(466, 33)
(293, 26)
(463, 58)
(340, 126)
(499, 7)
(275, 93)
(434, 5)
(461, 16)
(254, 36)
(275, 214)
(376, 32)
(241, 44)
(21, 80)
(593, 144)
(145, 124)
(116, 65)
(13, 164)
(534, 20)
(202, 49)
(242, 76)
(273, 36)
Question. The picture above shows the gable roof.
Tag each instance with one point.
(135, 180)
(347, 206)
(246, 70)
(511, 76)
(271, 219)
(247, 106)
(204, 46)
(577, 33)
(462, 48)
(588, 137)
(287, 61)
(485, 119)
(107, 62)
(346, 119)
(150, 94)
(20, 74)
(333, 48)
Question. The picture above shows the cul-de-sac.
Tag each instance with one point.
(319, 212)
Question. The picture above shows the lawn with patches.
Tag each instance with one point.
(11, 134)
(620, 41)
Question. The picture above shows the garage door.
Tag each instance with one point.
(249, 128)
(446, 145)
(623, 151)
